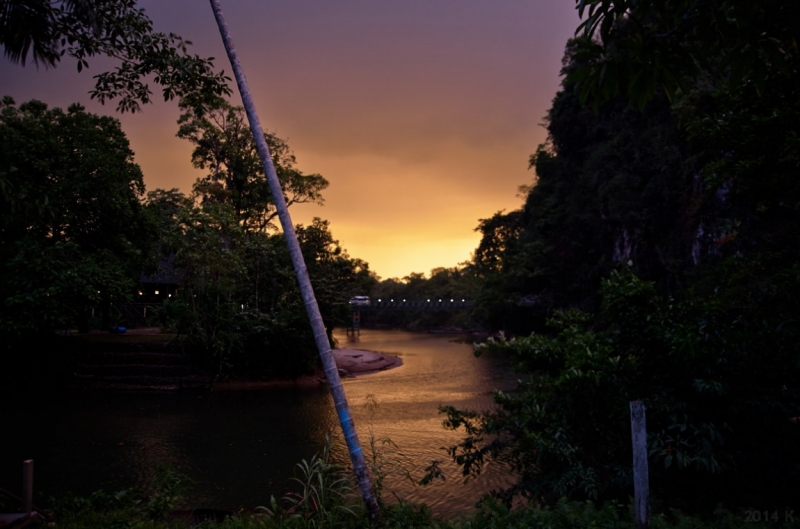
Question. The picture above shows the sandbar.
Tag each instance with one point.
(353, 362)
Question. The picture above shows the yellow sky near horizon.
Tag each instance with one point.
(421, 114)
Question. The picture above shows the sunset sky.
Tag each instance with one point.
(420, 113)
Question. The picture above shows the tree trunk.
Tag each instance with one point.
(317, 326)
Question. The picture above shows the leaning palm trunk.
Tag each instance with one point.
(317, 326)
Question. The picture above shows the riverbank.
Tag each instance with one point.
(340, 507)
(148, 359)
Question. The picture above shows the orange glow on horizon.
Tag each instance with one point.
(421, 115)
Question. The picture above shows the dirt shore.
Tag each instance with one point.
(358, 362)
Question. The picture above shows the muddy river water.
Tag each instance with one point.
(239, 447)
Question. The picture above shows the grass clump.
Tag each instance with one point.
(326, 498)
(102, 511)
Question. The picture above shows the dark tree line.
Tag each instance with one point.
(74, 232)
(78, 232)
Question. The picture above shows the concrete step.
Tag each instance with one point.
(158, 370)
(133, 358)
(137, 366)
(142, 382)
(123, 343)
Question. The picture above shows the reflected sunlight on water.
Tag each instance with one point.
(436, 371)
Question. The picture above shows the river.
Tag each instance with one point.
(239, 447)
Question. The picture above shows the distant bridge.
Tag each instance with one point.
(416, 305)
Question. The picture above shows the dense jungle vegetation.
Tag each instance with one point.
(655, 258)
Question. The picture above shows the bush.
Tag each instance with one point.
(717, 371)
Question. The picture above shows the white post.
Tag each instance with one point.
(27, 486)
(641, 485)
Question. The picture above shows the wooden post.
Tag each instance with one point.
(27, 486)
(641, 485)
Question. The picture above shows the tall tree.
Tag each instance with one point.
(49, 30)
(224, 145)
(323, 344)
(336, 276)
(72, 230)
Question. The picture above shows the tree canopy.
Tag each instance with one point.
(224, 145)
(635, 49)
(47, 31)
(240, 306)
(73, 231)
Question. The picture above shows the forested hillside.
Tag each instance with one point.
(656, 259)
(670, 191)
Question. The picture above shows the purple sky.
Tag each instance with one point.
(421, 114)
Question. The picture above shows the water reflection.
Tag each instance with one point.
(241, 446)
(436, 371)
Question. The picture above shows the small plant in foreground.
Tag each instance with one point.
(326, 497)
